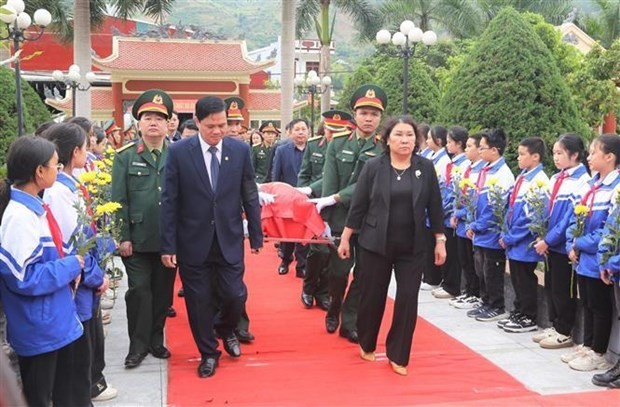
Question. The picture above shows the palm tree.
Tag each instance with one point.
(466, 18)
(87, 13)
(605, 25)
(288, 59)
(317, 13)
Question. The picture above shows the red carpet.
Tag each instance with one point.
(295, 362)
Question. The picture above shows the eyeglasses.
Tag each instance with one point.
(483, 148)
(58, 166)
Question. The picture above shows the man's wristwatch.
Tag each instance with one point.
(441, 238)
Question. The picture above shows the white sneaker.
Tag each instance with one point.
(428, 287)
(547, 333)
(576, 352)
(590, 361)
(556, 342)
(468, 303)
(441, 294)
(454, 300)
(108, 394)
(106, 303)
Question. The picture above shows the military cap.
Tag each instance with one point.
(337, 120)
(268, 127)
(153, 100)
(369, 96)
(233, 108)
(110, 127)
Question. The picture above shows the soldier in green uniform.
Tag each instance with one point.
(345, 158)
(137, 177)
(310, 182)
(262, 154)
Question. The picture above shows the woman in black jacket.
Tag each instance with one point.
(395, 195)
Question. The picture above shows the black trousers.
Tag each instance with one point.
(451, 269)
(432, 273)
(561, 294)
(61, 376)
(375, 274)
(315, 279)
(525, 284)
(97, 348)
(198, 284)
(465, 250)
(597, 299)
(301, 252)
(148, 298)
(338, 277)
(479, 268)
(493, 268)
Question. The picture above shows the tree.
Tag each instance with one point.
(465, 18)
(604, 26)
(317, 13)
(511, 80)
(35, 112)
(88, 13)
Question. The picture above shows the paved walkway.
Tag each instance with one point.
(539, 370)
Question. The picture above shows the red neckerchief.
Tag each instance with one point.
(89, 209)
(482, 178)
(556, 188)
(589, 196)
(449, 173)
(54, 230)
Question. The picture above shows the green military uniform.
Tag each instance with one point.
(315, 286)
(345, 158)
(137, 179)
(261, 155)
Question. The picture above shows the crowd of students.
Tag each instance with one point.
(562, 223)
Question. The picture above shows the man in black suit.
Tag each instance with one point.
(209, 182)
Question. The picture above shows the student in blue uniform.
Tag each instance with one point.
(595, 294)
(65, 202)
(518, 239)
(463, 215)
(451, 269)
(484, 229)
(436, 139)
(36, 277)
(567, 187)
(609, 261)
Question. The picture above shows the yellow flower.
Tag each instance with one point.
(107, 208)
(110, 151)
(492, 181)
(104, 178)
(87, 177)
(100, 165)
(541, 183)
(456, 170)
(107, 162)
(92, 189)
(581, 210)
(466, 183)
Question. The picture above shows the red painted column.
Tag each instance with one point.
(610, 124)
(244, 93)
(117, 100)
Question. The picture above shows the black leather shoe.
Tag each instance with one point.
(171, 313)
(134, 359)
(207, 367)
(307, 300)
(181, 292)
(244, 336)
(323, 303)
(231, 345)
(283, 268)
(331, 324)
(160, 352)
(350, 335)
(606, 379)
(300, 273)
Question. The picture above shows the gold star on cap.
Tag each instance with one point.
(158, 99)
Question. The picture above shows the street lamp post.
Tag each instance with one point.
(18, 22)
(406, 40)
(72, 81)
(312, 85)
